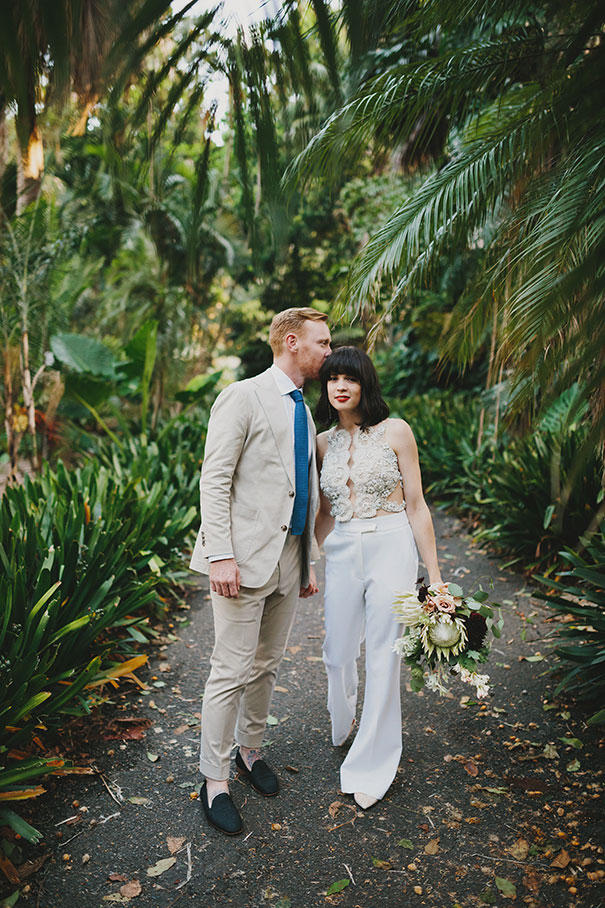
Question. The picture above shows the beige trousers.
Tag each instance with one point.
(251, 633)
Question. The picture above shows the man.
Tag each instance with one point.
(259, 497)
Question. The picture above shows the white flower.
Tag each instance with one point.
(435, 680)
(479, 682)
(408, 609)
(407, 643)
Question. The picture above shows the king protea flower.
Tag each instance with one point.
(445, 637)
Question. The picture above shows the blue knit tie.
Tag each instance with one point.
(301, 464)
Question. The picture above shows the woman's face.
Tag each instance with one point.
(344, 393)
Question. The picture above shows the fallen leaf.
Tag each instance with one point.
(550, 752)
(118, 878)
(131, 889)
(382, 865)
(334, 808)
(294, 649)
(471, 768)
(153, 758)
(116, 897)
(140, 801)
(271, 720)
(573, 766)
(405, 843)
(573, 742)
(291, 768)
(531, 881)
(432, 847)
(519, 849)
(174, 843)
(561, 860)
(165, 667)
(281, 690)
(161, 866)
(314, 659)
(507, 889)
(338, 886)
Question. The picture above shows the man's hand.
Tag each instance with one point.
(312, 588)
(224, 578)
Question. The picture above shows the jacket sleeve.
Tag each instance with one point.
(225, 439)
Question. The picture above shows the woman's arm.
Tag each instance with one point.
(401, 439)
(324, 522)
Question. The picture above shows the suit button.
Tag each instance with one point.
(291, 493)
(284, 527)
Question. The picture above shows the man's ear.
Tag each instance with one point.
(291, 342)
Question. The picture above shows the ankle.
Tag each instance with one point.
(215, 787)
(249, 755)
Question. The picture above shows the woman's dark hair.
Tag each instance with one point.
(358, 365)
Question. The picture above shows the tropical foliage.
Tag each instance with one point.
(507, 102)
(577, 598)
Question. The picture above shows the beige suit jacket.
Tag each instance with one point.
(248, 482)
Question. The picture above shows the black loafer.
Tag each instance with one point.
(261, 777)
(223, 814)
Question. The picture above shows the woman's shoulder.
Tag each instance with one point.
(322, 439)
(397, 430)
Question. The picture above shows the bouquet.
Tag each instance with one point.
(446, 632)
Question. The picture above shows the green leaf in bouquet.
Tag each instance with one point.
(455, 590)
(480, 596)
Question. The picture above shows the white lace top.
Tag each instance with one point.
(373, 472)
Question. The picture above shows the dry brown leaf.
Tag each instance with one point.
(471, 768)
(165, 667)
(281, 690)
(174, 843)
(472, 820)
(9, 870)
(294, 649)
(531, 881)
(519, 850)
(334, 808)
(432, 847)
(118, 878)
(561, 860)
(131, 889)
(161, 866)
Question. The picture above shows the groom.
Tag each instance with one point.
(259, 497)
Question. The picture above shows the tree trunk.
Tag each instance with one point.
(79, 129)
(28, 395)
(30, 168)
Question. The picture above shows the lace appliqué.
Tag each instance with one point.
(374, 474)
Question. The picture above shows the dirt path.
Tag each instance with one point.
(490, 806)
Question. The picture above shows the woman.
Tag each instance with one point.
(372, 516)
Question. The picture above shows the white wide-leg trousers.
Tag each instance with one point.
(368, 561)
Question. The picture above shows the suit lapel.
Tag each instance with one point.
(273, 407)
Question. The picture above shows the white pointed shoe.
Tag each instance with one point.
(364, 801)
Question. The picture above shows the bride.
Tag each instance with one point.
(372, 517)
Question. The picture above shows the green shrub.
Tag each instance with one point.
(84, 554)
(580, 647)
(513, 487)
